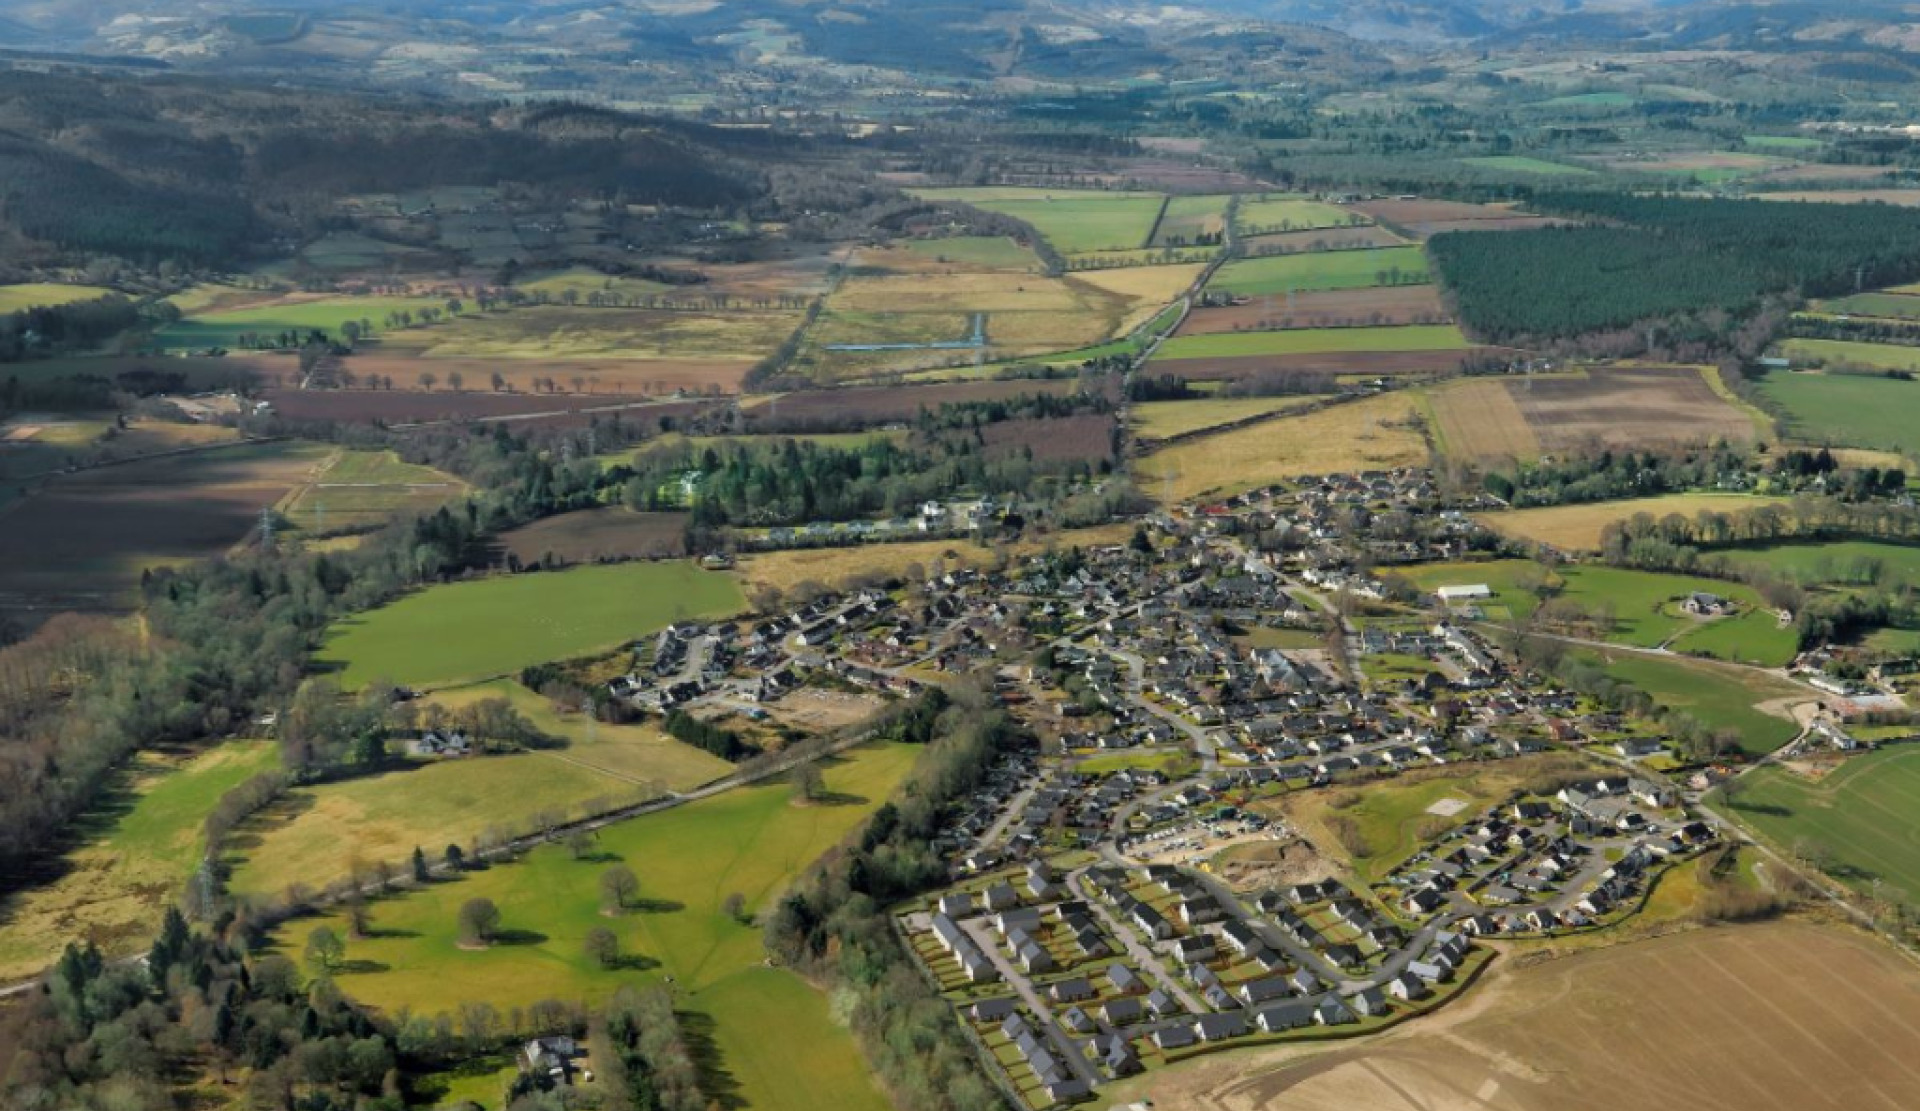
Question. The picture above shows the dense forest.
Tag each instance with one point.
(1649, 258)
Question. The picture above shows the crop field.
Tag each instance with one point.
(1716, 696)
(81, 541)
(559, 332)
(1313, 341)
(1550, 1035)
(1186, 219)
(411, 406)
(1519, 164)
(588, 535)
(1860, 816)
(1157, 420)
(360, 490)
(1087, 436)
(1321, 239)
(1376, 433)
(1074, 221)
(1577, 528)
(752, 841)
(1629, 407)
(1845, 409)
(1477, 419)
(886, 404)
(1266, 215)
(138, 846)
(1379, 305)
(642, 755)
(1147, 287)
(979, 251)
(29, 295)
(1704, 166)
(489, 627)
(297, 313)
(784, 570)
(1253, 277)
(583, 282)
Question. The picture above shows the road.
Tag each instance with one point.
(1071, 1053)
(1148, 960)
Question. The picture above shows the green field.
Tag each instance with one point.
(1074, 221)
(1520, 164)
(985, 252)
(224, 329)
(491, 627)
(1322, 270)
(138, 847)
(1310, 341)
(1892, 306)
(1781, 142)
(583, 281)
(1841, 563)
(362, 489)
(1835, 352)
(1590, 100)
(634, 752)
(1849, 410)
(30, 295)
(1188, 218)
(1276, 213)
(752, 841)
(1717, 697)
(1860, 819)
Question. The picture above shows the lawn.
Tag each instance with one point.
(1274, 213)
(1716, 696)
(1073, 221)
(1373, 266)
(140, 846)
(1157, 420)
(29, 295)
(1315, 341)
(1844, 409)
(1861, 817)
(325, 314)
(491, 627)
(1577, 528)
(1514, 163)
(752, 841)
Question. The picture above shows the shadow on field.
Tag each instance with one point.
(715, 1080)
(633, 962)
(1772, 810)
(837, 798)
(356, 967)
(518, 937)
(653, 906)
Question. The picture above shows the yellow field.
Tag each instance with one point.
(830, 566)
(1159, 284)
(1157, 420)
(46, 294)
(1577, 528)
(1376, 433)
(1477, 419)
(559, 332)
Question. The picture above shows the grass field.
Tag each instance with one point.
(1280, 213)
(1577, 528)
(1706, 1016)
(1188, 218)
(1478, 419)
(292, 314)
(1074, 221)
(1842, 563)
(1378, 432)
(1782, 142)
(583, 281)
(139, 847)
(1718, 697)
(784, 570)
(984, 252)
(1315, 341)
(750, 841)
(550, 332)
(491, 627)
(29, 295)
(586, 535)
(1836, 352)
(1860, 815)
(1157, 420)
(363, 489)
(1520, 164)
(1253, 277)
(1893, 306)
(1844, 409)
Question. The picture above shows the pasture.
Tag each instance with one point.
(1858, 819)
(640, 754)
(1275, 213)
(1158, 420)
(583, 282)
(1343, 308)
(461, 632)
(1253, 277)
(1845, 409)
(1838, 563)
(1378, 432)
(1577, 528)
(1850, 353)
(1717, 696)
(588, 535)
(32, 295)
(137, 848)
(752, 842)
(1624, 406)
(561, 332)
(978, 251)
(295, 314)
(361, 490)
(1888, 306)
(1313, 341)
(1187, 219)
(1073, 221)
(1549, 1035)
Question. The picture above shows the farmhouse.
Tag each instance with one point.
(1470, 593)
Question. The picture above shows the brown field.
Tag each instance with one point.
(1429, 228)
(859, 405)
(634, 377)
(1229, 367)
(586, 535)
(1908, 197)
(1477, 419)
(1415, 217)
(1784, 1016)
(1577, 528)
(1628, 407)
(1404, 304)
(1378, 432)
(414, 407)
(81, 541)
(1323, 239)
(832, 566)
(1813, 172)
(1088, 436)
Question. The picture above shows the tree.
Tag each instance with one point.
(420, 872)
(324, 951)
(603, 946)
(735, 907)
(456, 860)
(479, 920)
(808, 786)
(580, 843)
(427, 379)
(455, 380)
(618, 886)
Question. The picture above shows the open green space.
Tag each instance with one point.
(1074, 221)
(1782, 142)
(328, 315)
(582, 282)
(1590, 100)
(1278, 213)
(1716, 696)
(1186, 219)
(1520, 164)
(1849, 410)
(1892, 306)
(986, 251)
(1840, 352)
(1322, 270)
(31, 295)
(752, 842)
(1312, 341)
(496, 626)
(1839, 563)
(1857, 823)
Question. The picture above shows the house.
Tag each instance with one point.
(1173, 1037)
(1071, 990)
(1407, 987)
(1368, 1003)
(1125, 980)
(1195, 950)
(1077, 1020)
(956, 905)
(1264, 990)
(553, 1057)
(992, 1010)
(1702, 604)
(1001, 896)
(1116, 1055)
(1161, 1004)
(1429, 971)
(1290, 1015)
(1331, 1011)
(1471, 592)
(1217, 1028)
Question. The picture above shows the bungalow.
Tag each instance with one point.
(1220, 1027)
(1279, 1017)
(1078, 1021)
(1429, 971)
(1368, 1003)
(1071, 990)
(1195, 950)
(1125, 980)
(1330, 1011)
(1407, 987)
(1173, 1037)
(1161, 1004)
(956, 905)
(1264, 990)
(1001, 896)
(1124, 1011)
(993, 1010)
